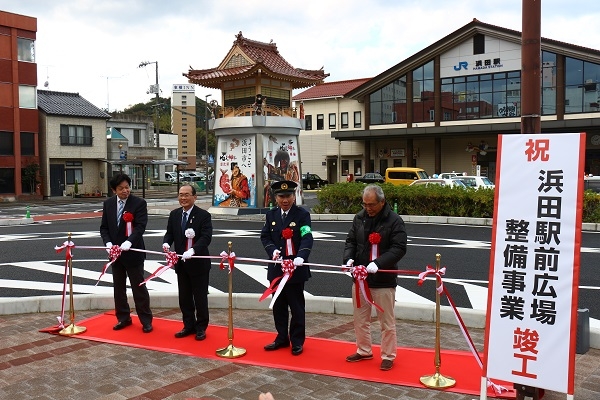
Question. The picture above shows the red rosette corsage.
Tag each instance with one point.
(374, 238)
(287, 233)
(128, 217)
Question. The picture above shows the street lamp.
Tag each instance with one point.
(206, 138)
(154, 89)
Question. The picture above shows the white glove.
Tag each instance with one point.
(350, 263)
(298, 261)
(372, 268)
(108, 247)
(166, 247)
(126, 245)
(276, 254)
(187, 254)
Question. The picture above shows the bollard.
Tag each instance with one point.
(583, 331)
(27, 214)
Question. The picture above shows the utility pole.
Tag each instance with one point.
(154, 89)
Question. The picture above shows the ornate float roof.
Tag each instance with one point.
(248, 58)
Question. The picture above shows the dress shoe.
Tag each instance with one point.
(184, 332)
(201, 335)
(296, 350)
(276, 345)
(147, 328)
(358, 357)
(122, 324)
(386, 365)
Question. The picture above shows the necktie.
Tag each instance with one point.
(120, 211)
(183, 221)
(284, 216)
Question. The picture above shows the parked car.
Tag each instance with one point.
(171, 176)
(446, 175)
(404, 175)
(477, 182)
(312, 181)
(371, 177)
(451, 182)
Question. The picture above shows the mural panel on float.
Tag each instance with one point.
(280, 163)
(235, 172)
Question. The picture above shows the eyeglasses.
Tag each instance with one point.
(185, 195)
(370, 205)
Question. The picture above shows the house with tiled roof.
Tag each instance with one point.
(326, 108)
(72, 144)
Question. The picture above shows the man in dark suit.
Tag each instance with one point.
(124, 219)
(191, 234)
(288, 220)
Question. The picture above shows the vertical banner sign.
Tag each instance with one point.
(235, 172)
(281, 163)
(534, 265)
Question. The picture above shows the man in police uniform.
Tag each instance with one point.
(290, 220)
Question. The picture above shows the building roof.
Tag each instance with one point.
(248, 58)
(112, 133)
(68, 104)
(330, 89)
(459, 36)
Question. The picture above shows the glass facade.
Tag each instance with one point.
(582, 86)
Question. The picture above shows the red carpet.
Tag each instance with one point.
(321, 356)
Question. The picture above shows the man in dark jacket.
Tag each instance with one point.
(124, 219)
(376, 239)
(287, 234)
(192, 273)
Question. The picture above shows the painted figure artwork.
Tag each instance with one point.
(281, 163)
(235, 173)
(236, 187)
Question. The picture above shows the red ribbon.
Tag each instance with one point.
(229, 258)
(287, 266)
(287, 234)
(374, 239)
(362, 287)
(171, 259)
(128, 217)
(114, 253)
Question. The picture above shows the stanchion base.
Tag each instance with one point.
(437, 381)
(72, 330)
(231, 352)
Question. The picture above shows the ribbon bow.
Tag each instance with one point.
(114, 253)
(362, 287)
(229, 258)
(171, 258)
(287, 266)
(429, 270)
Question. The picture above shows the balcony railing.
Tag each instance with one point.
(76, 141)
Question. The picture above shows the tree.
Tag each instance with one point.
(29, 176)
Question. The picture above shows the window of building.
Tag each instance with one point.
(479, 44)
(183, 102)
(25, 50)
(73, 171)
(423, 92)
(332, 121)
(582, 86)
(344, 118)
(345, 167)
(27, 97)
(308, 122)
(388, 104)
(357, 119)
(320, 122)
(137, 137)
(75, 135)
(6, 144)
(27, 144)
(481, 96)
(357, 167)
(7, 180)
(172, 153)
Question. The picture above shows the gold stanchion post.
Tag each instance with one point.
(231, 351)
(437, 380)
(72, 329)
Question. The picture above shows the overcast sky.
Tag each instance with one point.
(94, 47)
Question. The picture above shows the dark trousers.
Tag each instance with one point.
(141, 297)
(292, 297)
(193, 299)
